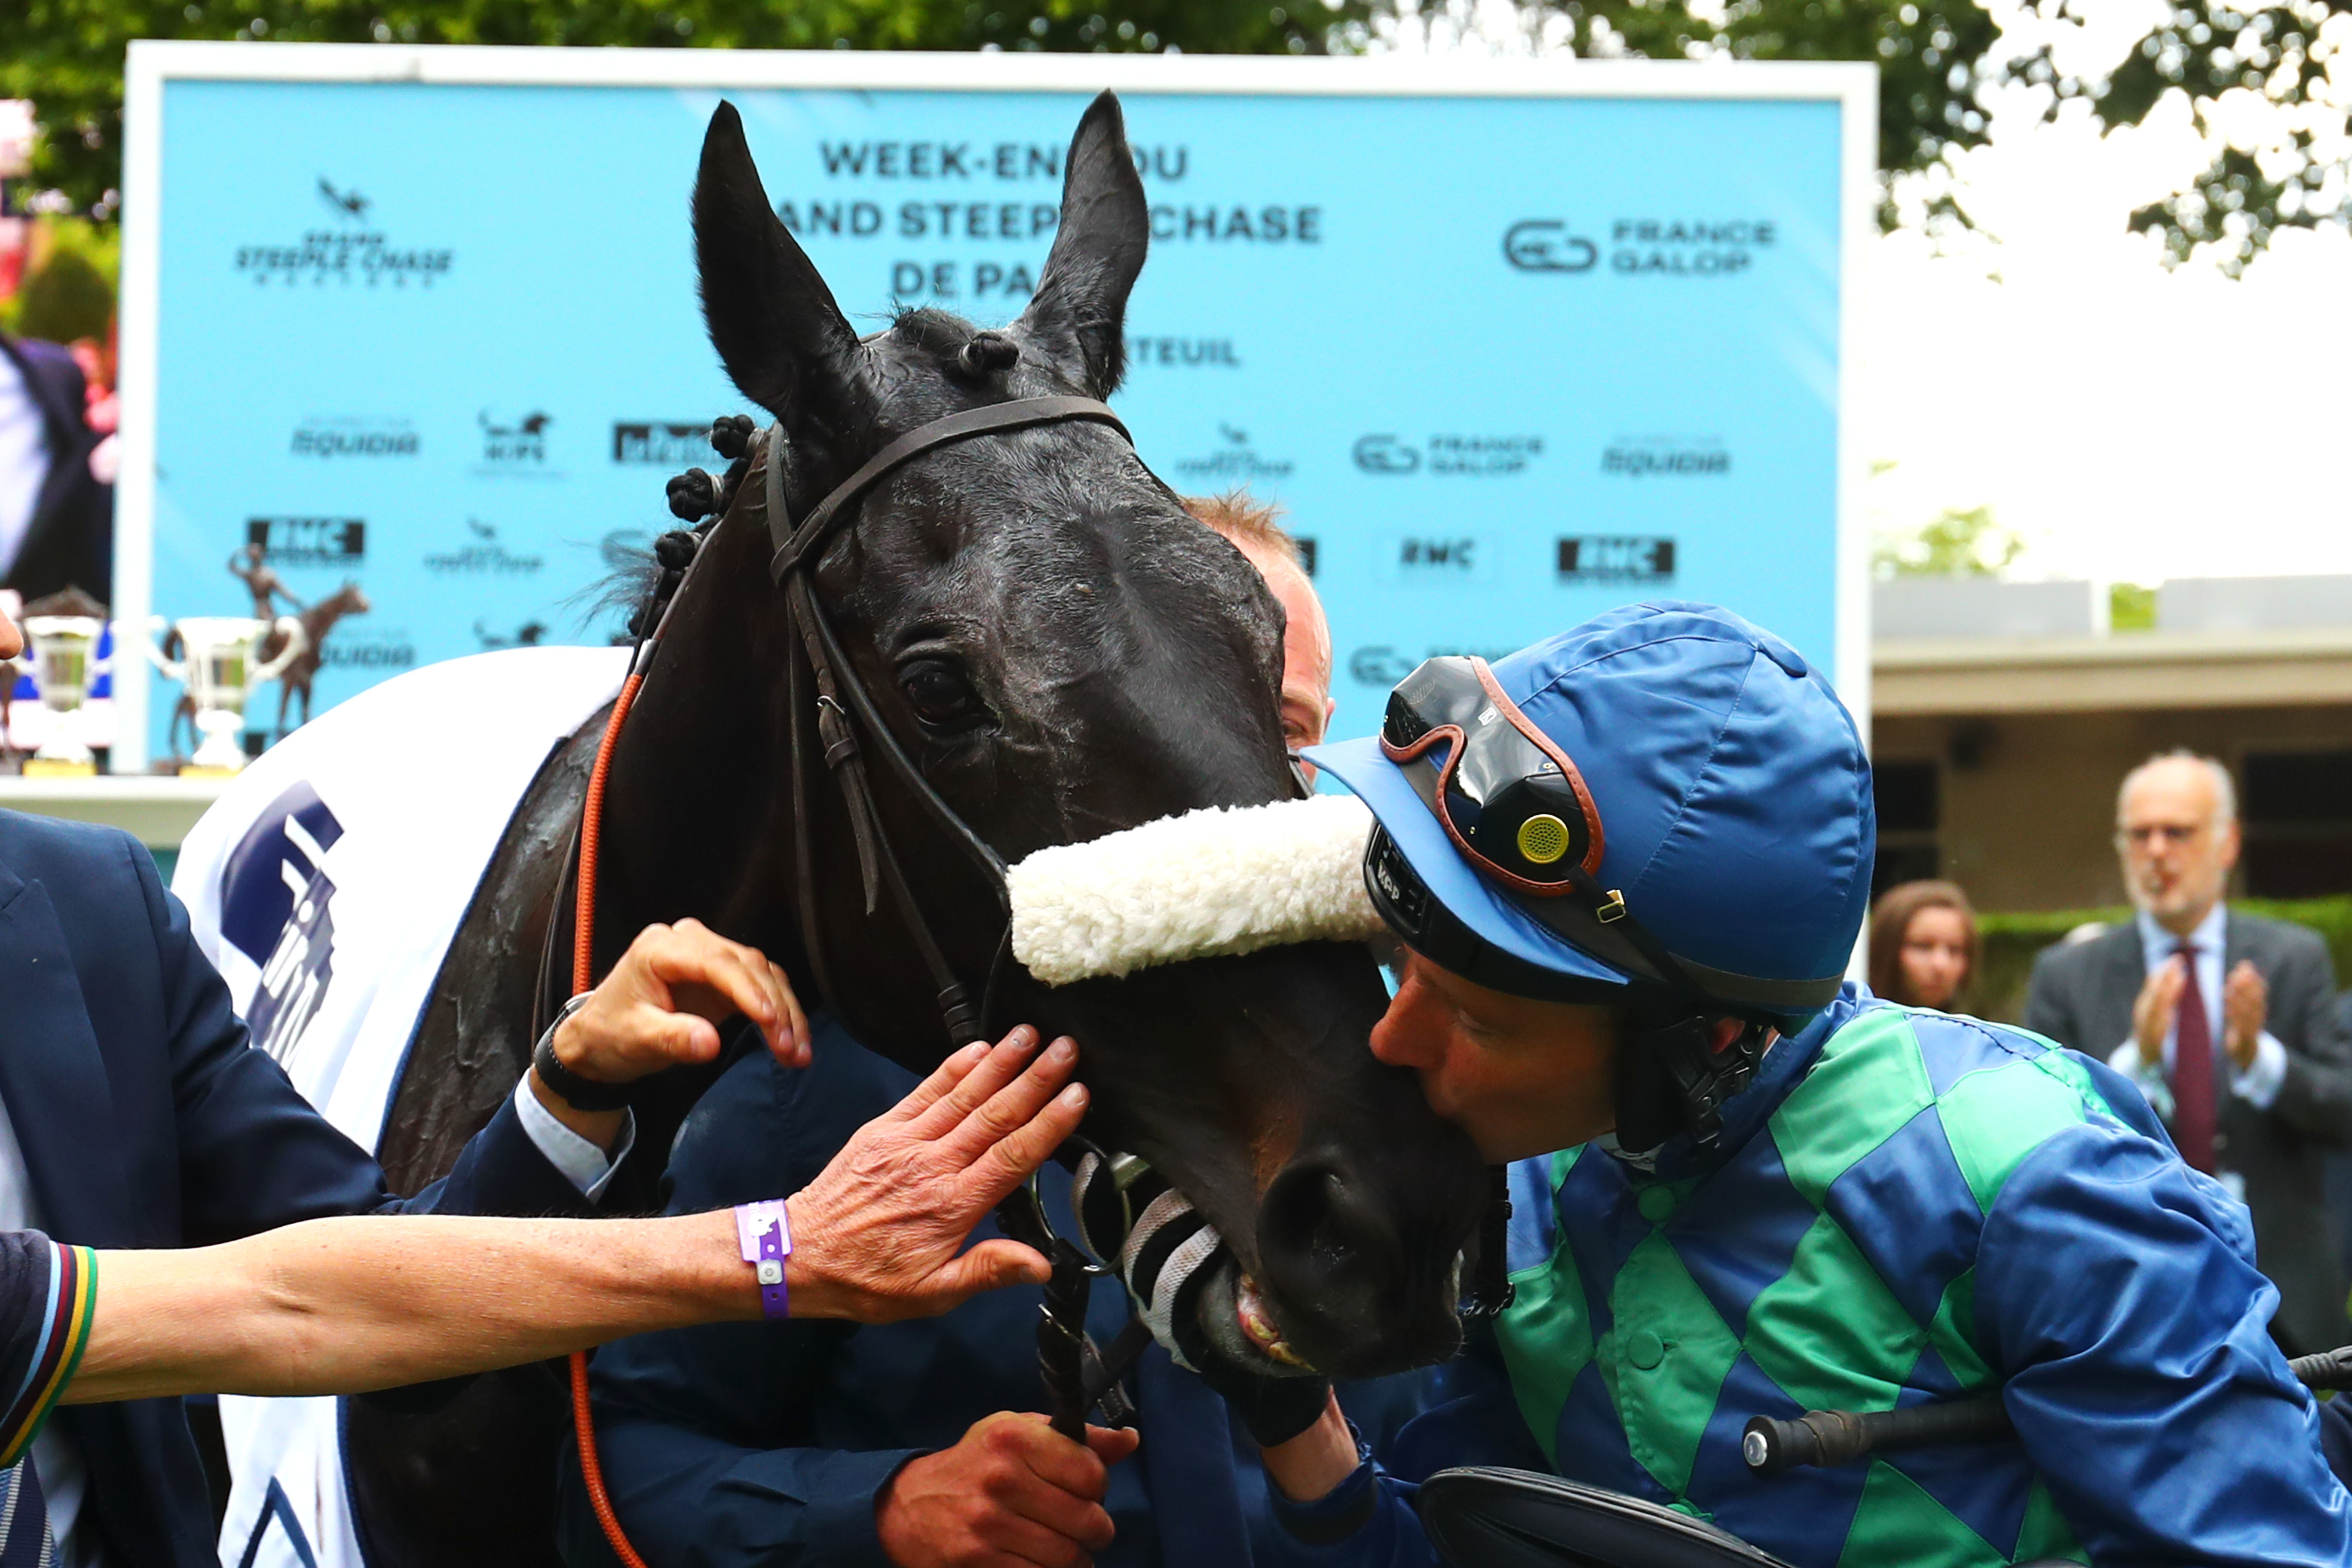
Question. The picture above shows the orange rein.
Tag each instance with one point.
(583, 931)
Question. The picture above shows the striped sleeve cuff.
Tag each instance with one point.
(48, 1298)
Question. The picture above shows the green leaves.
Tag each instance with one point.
(2291, 170)
(67, 57)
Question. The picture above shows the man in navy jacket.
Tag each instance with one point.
(134, 1112)
(56, 517)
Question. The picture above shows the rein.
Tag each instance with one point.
(842, 708)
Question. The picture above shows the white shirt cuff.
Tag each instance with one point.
(582, 1163)
(2259, 1085)
(2126, 1060)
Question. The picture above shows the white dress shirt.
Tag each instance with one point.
(23, 461)
(65, 1479)
(2258, 1084)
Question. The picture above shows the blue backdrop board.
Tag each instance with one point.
(1509, 344)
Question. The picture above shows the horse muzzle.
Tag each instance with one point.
(1334, 1274)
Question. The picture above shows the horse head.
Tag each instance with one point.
(1063, 653)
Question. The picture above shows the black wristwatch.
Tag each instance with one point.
(579, 1093)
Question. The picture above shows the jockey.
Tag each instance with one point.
(1628, 866)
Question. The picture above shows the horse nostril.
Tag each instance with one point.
(1325, 1247)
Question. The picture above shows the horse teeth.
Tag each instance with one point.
(1260, 1328)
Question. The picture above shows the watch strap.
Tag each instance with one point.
(765, 1236)
(578, 1092)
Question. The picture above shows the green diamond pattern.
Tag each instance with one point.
(1546, 1338)
(1867, 1084)
(1665, 1407)
(1899, 1523)
(1994, 1119)
(1828, 1332)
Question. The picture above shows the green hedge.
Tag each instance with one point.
(2010, 942)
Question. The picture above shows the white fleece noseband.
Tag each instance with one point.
(1210, 882)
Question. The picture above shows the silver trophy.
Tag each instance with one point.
(65, 662)
(219, 669)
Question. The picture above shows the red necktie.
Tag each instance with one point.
(2192, 1072)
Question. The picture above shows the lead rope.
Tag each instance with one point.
(583, 932)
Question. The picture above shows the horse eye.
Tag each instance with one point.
(938, 693)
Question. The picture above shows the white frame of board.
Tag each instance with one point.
(1853, 86)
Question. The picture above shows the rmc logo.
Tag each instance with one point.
(1437, 554)
(1544, 244)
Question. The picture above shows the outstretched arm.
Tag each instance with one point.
(345, 1305)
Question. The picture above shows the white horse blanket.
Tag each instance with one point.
(326, 886)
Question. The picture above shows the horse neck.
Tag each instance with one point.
(697, 815)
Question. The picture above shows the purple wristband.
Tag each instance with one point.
(766, 1237)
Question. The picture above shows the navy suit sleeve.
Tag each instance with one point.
(707, 1467)
(1371, 1520)
(254, 1154)
(708, 1435)
(2139, 1371)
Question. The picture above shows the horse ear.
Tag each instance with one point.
(773, 320)
(1078, 315)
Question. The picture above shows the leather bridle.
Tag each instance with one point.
(847, 722)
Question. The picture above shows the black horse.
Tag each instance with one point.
(1064, 652)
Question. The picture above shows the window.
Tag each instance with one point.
(1909, 797)
(2296, 807)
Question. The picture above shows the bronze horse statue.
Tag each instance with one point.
(1062, 652)
(297, 678)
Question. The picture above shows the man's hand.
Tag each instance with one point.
(2158, 1004)
(661, 1006)
(876, 1235)
(2245, 1006)
(1011, 1494)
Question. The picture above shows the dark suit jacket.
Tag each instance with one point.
(71, 539)
(2082, 996)
(147, 1120)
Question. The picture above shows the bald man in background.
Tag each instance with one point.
(2263, 1092)
(1254, 530)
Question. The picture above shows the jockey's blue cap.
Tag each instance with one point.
(1733, 791)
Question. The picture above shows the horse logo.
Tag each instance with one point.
(348, 204)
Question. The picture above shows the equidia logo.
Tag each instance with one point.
(1665, 456)
(354, 438)
(1544, 244)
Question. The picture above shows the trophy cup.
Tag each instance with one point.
(220, 674)
(64, 663)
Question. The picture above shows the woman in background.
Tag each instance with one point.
(1922, 945)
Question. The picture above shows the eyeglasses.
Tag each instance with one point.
(1510, 798)
(2170, 835)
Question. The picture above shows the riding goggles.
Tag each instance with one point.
(1516, 807)
(1510, 799)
